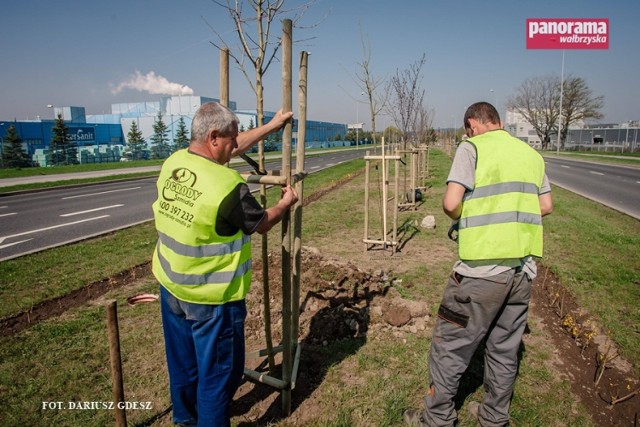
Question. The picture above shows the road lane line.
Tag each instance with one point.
(91, 210)
(565, 166)
(596, 173)
(66, 224)
(8, 214)
(101, 192)
(14, 243)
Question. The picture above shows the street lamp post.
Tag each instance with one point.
(53, 109)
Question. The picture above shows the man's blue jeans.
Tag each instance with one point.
(205, 357)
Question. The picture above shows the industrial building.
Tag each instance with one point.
(103, 138)
(581, 137)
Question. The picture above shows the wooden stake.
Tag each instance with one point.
(224, 77)
(366, 199)
(286, 221)
(384, 193)
(116, 363)
(297, 209)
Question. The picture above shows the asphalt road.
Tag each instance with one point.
(32, 222)
(617, 187)
(35, 221)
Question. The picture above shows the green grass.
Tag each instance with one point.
(596, 253)
(67, 360)
(83, 181)
(29, 280)
(88, 167)
(594, 250)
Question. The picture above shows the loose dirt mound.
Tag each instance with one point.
(339, 302)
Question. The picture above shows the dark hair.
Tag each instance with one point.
(482, 112)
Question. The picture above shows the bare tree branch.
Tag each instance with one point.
(407, 97)
(369, 84)
(538, 101)
(578, 104)
(259, 48)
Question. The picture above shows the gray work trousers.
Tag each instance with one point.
(495, 307)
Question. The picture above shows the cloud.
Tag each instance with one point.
(152, 83)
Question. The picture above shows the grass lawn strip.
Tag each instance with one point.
(66, 359)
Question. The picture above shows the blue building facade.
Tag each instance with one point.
(103, 138)
(96, 143)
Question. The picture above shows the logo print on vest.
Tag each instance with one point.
(180, 187)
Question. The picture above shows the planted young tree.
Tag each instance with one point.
(160, 139)
(13, 155)
(259, 48)
(182, 135)
(369, 84)
(406, 100)
(425, 134)
(136, 145)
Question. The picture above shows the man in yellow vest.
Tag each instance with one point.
(498, 192)
(205, 215)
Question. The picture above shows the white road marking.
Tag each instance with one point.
(8, 214)
(2, 239)
(565, 166)
(3, 207)
(14, 243)
(596, 173)
(102, 192)
(91, 210)
(315, 167)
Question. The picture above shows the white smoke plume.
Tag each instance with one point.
(152, 83)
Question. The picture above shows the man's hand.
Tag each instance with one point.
(280, 119)
(249, 137)
(277, 212)
(289, 195)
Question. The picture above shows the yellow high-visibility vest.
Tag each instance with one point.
(501, 217)
(191, 260)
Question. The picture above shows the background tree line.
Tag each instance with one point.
(538, 101)
(138, 149)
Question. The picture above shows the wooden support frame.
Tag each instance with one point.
(383, 241)
(281, 180)
(290, 348)
(423, 165)
(413, 163)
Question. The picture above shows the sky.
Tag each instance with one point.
(94, 54)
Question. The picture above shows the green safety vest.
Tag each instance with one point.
(191, 260)
(501, 217)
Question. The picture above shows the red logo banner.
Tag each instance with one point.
(564, 33)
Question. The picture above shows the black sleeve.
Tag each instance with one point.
(239, 211)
